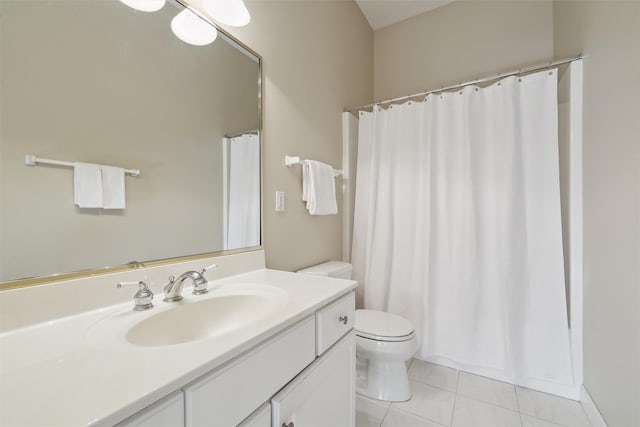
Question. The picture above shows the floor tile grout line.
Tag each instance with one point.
(383, 403)
(441, 389)
(466, 396)
(553, 397)
(456, 392)
(515, 390)
(490, 404)
(553, 423)
(431, 385)
(385, 415)
(459, 372)
(415, 415)
(455, 399)
(549, 420)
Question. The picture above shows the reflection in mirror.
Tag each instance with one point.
(99, 82)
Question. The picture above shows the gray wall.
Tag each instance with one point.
(608, 33)
(317, 60)
(78, 87)
(459, 42)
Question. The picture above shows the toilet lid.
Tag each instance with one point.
(374, 324)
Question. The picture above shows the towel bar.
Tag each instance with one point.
(31, 160)
(296, 160)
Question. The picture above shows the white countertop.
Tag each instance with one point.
(51, 374)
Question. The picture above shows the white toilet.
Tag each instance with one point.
(384, 343)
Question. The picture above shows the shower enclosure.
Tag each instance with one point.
(488, 305)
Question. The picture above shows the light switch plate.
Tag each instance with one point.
(279, 201)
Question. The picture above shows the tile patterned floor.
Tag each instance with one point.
(448, 397)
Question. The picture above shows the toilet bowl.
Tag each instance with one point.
(384, 343)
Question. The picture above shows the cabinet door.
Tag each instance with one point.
(323, 394)
(168, 412)
(231, 393)
(260, 418)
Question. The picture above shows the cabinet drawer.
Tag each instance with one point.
(231, 393)
(334, 320)
(167, 412)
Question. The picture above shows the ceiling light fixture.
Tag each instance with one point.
(228, 12)
(145, 5)
(192, 29)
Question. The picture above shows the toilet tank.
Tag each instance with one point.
(337, 269)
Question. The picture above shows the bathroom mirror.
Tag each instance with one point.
(96, 81)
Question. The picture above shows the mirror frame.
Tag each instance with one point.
(39, 280)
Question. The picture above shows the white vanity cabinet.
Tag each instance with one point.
(292, 352)
(260, 418)
(323, 395)
(168, 412)
(303, 376)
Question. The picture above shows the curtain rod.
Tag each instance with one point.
(459, 85)
(247, 132)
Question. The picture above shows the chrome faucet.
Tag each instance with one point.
(143, 299)
(173, 290)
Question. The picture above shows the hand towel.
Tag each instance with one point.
(113, 189)
(305, 181)
(321, 189)
(87, 185)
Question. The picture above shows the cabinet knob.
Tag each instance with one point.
(344, 319)
(288, 425)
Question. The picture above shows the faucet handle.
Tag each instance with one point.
(143, 299)
(211, 267)
(200, 284)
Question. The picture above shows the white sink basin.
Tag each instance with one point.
(197, 317)
(198, 320)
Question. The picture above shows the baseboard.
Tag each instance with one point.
(591, 409)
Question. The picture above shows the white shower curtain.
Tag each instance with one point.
(457, 227)
(241, 216)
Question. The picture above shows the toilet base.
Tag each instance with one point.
(382, 381)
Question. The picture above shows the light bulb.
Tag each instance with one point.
(145, 5)
(192, 29)
(228, 12)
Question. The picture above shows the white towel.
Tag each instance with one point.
(320, 188)
(113, 189)
(305, 181)
(87, 185)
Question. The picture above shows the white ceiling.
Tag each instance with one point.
(381, 13)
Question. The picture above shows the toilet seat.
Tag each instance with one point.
(381, 326)
(383, 338)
